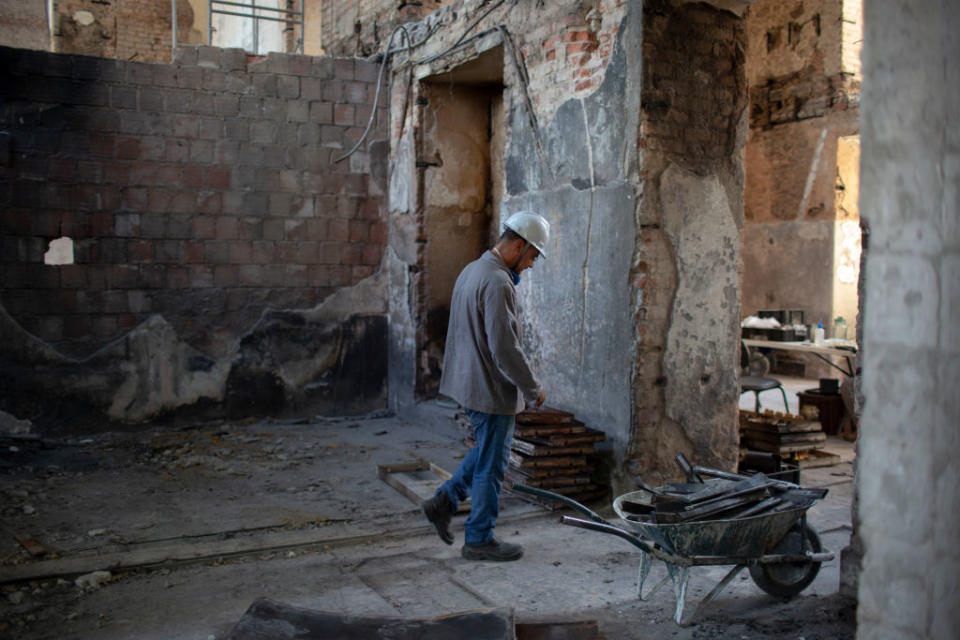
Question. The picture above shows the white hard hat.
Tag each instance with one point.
(532, 228)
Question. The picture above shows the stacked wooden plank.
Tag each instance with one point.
(789, 436)
(553, 450)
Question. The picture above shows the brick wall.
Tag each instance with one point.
(803, 71)
(362, 27)
(202, 190)
(693, 85)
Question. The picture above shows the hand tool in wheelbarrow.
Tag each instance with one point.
(782, 552)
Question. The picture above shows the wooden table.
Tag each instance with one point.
(822, 352)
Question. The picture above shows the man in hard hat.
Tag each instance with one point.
(485, 370)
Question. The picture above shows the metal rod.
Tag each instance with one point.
(726, 475)
(254, 5)
(173, 22)
(255, 18)
(256, 28)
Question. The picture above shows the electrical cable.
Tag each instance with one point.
(409, 47)
(376, 96)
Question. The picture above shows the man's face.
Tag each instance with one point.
(528, 258)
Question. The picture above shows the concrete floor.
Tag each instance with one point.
(194, 523)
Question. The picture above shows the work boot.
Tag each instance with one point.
(493, 550)
(439, 512)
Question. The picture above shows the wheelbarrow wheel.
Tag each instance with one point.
(787, 579)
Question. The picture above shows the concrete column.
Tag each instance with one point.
(909, 476)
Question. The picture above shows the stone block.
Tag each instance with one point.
(122, 97)
(185, 55)
(321, 112)
(226, 106)
(204, 105)
(209, 57)
(343, 68)
(264, 85)
(233, 59)
(210, 128)
(288, 87)
(202, 151)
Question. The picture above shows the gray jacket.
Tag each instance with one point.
(484, 368)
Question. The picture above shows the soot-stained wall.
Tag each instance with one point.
(213, 233)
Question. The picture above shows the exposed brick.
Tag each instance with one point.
(218, 178)
(344, 68)
(201, 276)
(193, 252)
(359, 231)
(351, 254)
(176, 150)
(210, 128)
(192, 177)
(225, 275)
(178, 277)
(263, 132)
(264, 85)
(333, 91)
(140, 251)
(202, 151)
(184, 127)
(321, 112)
(372, 254)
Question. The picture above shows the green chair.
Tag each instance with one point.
(757, 384)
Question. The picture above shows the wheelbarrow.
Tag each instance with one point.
(780, 550)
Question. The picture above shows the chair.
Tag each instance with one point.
(757, 384)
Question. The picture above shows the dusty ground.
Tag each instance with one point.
(194, 523)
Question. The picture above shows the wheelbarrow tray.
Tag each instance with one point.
(736, 539)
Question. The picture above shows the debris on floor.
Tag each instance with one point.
(268, 620)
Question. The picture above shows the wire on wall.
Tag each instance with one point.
(410, 46)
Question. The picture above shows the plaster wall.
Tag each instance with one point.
(908, 473)
(24, 25)
(572, 158)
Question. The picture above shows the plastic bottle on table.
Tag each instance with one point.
(818, 332)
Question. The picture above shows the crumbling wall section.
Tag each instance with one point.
(686, 260)
(204, 191)
(804, 95)
(138, 30)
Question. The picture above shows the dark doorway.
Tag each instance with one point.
(460, 160)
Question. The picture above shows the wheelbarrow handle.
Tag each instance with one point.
(603, 527)
(556, 497)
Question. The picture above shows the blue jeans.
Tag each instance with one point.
(480, 474)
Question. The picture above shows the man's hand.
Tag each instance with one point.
(541, 398)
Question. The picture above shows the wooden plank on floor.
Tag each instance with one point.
(418, 481)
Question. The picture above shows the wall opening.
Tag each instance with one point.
(459, 161)
(846, 236)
